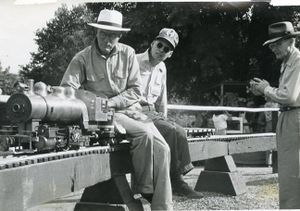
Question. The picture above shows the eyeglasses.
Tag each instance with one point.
(166, 49)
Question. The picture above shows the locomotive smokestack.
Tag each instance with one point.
(30, 86)
(40, 88)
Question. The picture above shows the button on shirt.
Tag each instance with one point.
(154, 89)
(116, 76)
(288, 91)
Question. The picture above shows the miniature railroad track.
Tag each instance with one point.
(230, 138)
(8, 161)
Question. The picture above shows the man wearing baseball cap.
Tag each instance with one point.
(109, 68)
(154, 104)
(282, 43)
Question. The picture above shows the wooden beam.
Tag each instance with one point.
(258, 144)
(27, 186)
(218, 146)
(203, 150)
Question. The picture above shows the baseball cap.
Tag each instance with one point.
(170, 35)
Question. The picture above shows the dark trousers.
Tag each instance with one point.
(176, 138)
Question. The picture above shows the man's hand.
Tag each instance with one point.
(257, 86)
(261, 84)
(137, 115)
(111, 103)
(135, 107)
(253, 88)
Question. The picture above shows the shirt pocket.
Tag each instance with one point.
(95, 82)
(156, 86)
(119, 77)
(155, 89)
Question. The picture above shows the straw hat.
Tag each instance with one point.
(109, 20)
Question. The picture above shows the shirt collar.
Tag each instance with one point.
(292, 57)
(145, 58)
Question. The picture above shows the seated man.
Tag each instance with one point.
(154, 102)
(109, 68)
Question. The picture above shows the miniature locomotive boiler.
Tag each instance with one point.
(57, 118)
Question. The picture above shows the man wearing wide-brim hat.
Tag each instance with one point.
(110, 68)
(282, 43)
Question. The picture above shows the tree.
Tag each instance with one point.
(58, 42)
(211, 47)
(219, 41)
(7, 80)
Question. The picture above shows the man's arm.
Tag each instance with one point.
(133, 92)
(75, 74)
(288, 92)
(162, 101)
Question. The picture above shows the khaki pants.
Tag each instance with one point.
(288, 147)
(151, 161)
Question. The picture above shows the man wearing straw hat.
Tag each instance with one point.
(154, 105)
(110, 68)
(282, 44)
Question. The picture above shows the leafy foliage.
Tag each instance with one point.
(218, 41)
(7, 80)
(63, 37)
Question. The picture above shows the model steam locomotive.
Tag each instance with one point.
(40, 118)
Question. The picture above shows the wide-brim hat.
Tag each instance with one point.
(110, 20)
(169, 35)
(279, 31)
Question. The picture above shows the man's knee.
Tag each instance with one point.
(164, 125)
(163, 147)
(147, 133)
(181, 133)
(144, 137)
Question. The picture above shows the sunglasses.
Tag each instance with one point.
(166, 49)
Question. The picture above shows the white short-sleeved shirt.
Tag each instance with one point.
(153, 82)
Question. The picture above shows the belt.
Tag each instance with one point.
(288, 108)
(148, 108)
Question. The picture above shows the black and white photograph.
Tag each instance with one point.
(149, 105)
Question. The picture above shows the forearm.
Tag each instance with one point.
(125, 99)
(288, 91)
(73, 76)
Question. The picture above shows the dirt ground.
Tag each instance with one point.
(262, 193)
